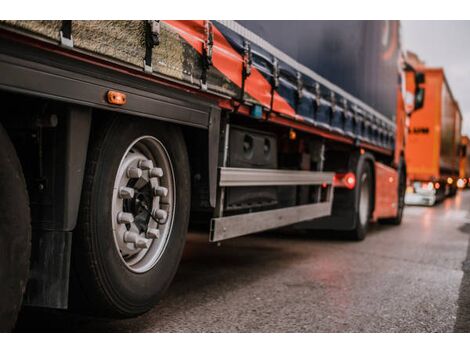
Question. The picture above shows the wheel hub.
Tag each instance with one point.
(143, 204)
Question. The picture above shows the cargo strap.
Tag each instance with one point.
(300, 86)
(333, 101)
(246, 70)
(300, 93)
(274, 81)
(207, 53)
(346, 114)
(152, 39)
(66, 38)
(317, 96)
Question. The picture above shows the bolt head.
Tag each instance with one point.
(126, 193)
(125, 218)
(130, 237)
(145, 164)
(156, 172)
(141, 243)
(134, 172)
(161, 215)
(152, 234)
(160, 191)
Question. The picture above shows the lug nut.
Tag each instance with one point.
(160, 191)
(161, 215)
(141, 243)
(134, 172)
(126, 192)
(130, 237)
(145, 164)
(125, 218)
(152, 234)
(156, 172)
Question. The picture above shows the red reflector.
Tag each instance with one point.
(347, 180)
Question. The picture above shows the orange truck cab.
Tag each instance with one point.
(432, 149)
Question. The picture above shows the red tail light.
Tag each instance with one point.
(347, 180)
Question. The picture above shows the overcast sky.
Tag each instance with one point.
(444, 44)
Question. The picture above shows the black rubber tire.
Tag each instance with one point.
(358, 233)
(109, 287)
(453, 191)
(15, 234)
(401, 198)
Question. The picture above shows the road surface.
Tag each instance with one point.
(400, 279)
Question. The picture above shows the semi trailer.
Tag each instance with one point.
(116, 133)
(432, 151)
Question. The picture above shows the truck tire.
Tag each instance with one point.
(15, 234)
(363, 201)
(133, 216)
(453, 190)
(401, 197)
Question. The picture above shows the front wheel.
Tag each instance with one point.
(363, 202)
(134, 216)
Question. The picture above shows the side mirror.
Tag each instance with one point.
(419, 91)
(463, 150)
(419, 98)
(419, 78)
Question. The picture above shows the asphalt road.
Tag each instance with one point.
(400, 279)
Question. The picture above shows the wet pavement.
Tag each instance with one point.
(400, 279)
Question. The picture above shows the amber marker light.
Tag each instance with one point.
(450, 180)
(116, 98)
(292, 135)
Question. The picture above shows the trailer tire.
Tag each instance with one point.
(15, 234)
(363, 201)
(115, 283)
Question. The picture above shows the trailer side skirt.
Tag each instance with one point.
(225, 227)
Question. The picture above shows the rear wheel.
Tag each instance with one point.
(15, 234)
(452, 190)
(134, 216)
(363, 202)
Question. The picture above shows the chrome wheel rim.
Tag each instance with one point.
(143, 204)
(364, 200)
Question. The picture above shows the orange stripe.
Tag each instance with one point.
(191, 31)
(228, 61)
